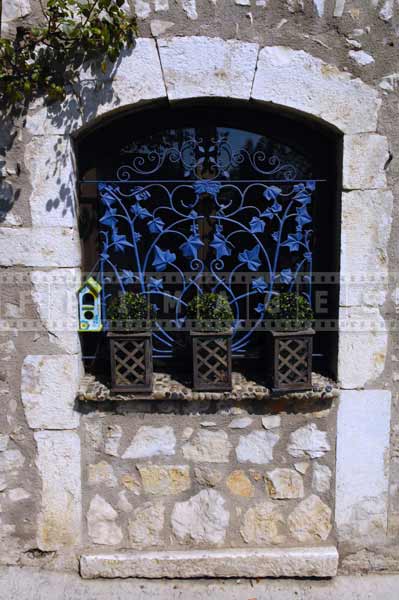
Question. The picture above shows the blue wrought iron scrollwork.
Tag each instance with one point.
(156, 227)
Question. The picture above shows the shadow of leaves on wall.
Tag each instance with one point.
(7, 194)
(51, 162)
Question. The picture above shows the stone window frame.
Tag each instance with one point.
(172, 70)
(187, 68)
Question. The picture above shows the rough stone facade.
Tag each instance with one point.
(198, 480)
(91, 479)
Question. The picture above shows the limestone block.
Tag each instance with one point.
(271, 421)
(320, 561)
(56, 119)
(308, 441)
(18, 495)
(123, 502)
(339, 8)
(131, 483)
(361, 58)
(202, 519)
(93, 434)
(310, 521)
(101, 524)
(58, 462)
(302, 467)
(165, 480)
(158, 27)
(50, 163)
(390, 83)
(239, 484)
(366, 228)
(298, 80)
(284, 484)
(365, 156)
(15, 9)
(187, 433)
(136, 77)
(12, 11)
(152, 441)
(240, 423)
(361, 334)
(208, 446)
(142, 9)
(362, 476)
(11, 460)
(39, 247)
(112, 440)
(4, 439)
(55, 298)
(256, 447)
(295, 5)
(146, 527)
(161, 5)
(262, 524)
(101, 474)
(319, 6)
(207, 67)
(321, 480)
(190, 8)
(207, 476)
(387, 10)
(48, 391)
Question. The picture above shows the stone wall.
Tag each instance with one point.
(231, 478)
(333, 62)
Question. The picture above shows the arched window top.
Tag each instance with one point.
(212, 152)
(209, 201)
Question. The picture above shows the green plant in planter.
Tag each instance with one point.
(290, 311)
(130, 311)
(210, 312)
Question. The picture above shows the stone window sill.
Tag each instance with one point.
(319, 561)
(168, 388)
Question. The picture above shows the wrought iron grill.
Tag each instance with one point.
(179, 218)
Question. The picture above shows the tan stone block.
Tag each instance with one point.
(261, 524)
(239, 484)
(165, 480)
(284, 484)
(146, 527)
(101, 473)
(131, 483)
(311, 520)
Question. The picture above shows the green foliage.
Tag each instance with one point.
(132, 309)
(46, 60)
(210, 311)
(290, 310)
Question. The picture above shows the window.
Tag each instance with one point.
(176, 202)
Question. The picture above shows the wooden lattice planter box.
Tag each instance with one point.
(292, 360)
(211, 361)
(131, 361)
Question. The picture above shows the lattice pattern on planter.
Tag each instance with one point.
(131, 362)
(293, 360)
(212, 361)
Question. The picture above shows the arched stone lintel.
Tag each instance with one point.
(197, 67)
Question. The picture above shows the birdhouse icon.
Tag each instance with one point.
(90, 306)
